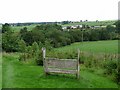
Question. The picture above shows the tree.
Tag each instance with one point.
(94, 35)
(33, 36)
(35, 49)
(37, 54)
(22, 46)
(104, 34)
(80, 20)
(6, 27)
(65, 22)
(23, 30)
(117, 25)
(110, 28)
(48, 45)
(10, 41)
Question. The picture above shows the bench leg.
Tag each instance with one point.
(46, 73)
(77, 76)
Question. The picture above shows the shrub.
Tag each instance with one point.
(110, 66)
(39, 58)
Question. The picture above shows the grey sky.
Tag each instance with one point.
(57, 10)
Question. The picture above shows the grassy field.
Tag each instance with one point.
(24, 75)
(19, 75)
(92, 23)
(18, 28)
(0, 70)
(110, 46)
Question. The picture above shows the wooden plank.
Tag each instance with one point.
(55, 70)
(61, 63)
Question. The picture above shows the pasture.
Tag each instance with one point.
(18, 28)
(110, 46)
(18, 74)
(92, 23)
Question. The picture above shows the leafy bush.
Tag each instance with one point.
(111, 66)
(39, 58)
(10, 42)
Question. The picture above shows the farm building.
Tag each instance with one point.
(64, 28)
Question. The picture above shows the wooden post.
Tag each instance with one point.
(44, 52)
(78, 68)
(44, 62)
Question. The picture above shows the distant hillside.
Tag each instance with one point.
(92, 23)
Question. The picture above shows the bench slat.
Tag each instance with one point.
(68, 64)
(55, 70)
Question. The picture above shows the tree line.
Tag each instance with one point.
(52, 36)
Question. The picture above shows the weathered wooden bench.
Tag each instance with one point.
(64, 66)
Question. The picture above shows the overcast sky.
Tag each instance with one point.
(57, 10)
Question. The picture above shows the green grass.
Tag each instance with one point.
(19, 75)
(92, 23)
(26, 75)
(110, 46)
(0, 70)
(18, 28)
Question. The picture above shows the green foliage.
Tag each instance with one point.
(10, 42)
(110, 66)
(94, 35)
(118, 25)
(30, 53)
(22, 46)
(23, 30)
(110, 28)
(39, 58)
(48, 45)
(33, 36)
(118, 74)
(37, 54)
(35, 49)
(6, 28)
(55, 37)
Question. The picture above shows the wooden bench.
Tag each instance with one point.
(56, 65)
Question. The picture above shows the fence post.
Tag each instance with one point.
(44, 62)
(44, 52)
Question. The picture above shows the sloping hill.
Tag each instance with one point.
(22, 75)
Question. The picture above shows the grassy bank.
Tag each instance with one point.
(19, 75)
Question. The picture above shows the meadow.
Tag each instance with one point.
(18, 28)
(92, 23)
(109, 46)
(18, 74)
